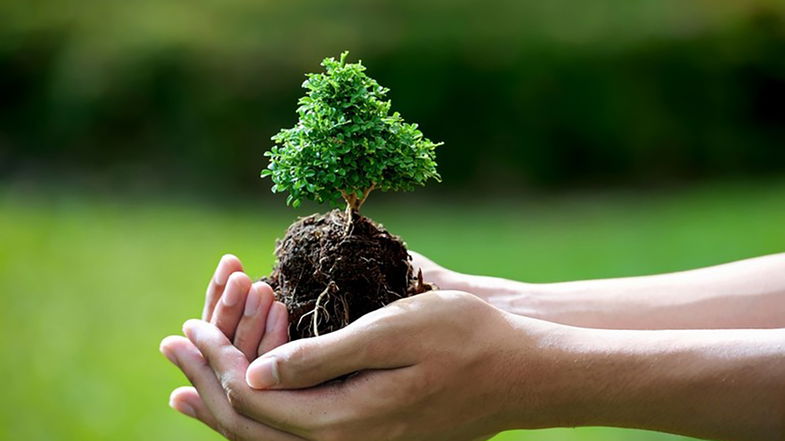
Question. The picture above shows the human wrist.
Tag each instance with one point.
(603, 379)
(569, 303)
(571, 377)
(536, 300)
(544, 382)
(507, 295)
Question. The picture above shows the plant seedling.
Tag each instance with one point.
(333, 268)
(347, 143)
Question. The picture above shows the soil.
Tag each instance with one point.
(328, 274)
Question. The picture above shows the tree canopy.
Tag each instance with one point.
(347, 143)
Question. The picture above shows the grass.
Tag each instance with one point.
(90, 284)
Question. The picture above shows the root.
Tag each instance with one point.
(331, 269)
(331, 287)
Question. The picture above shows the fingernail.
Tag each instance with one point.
(189, 329)
(273, 317)
(252, 302)
(183, 408)
(168, 353)
(221, 273)
(263, 373)
(231, 296)
(171, 357)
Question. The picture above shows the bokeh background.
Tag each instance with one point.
(582, 140)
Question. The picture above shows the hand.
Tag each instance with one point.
(434, 273)
(443, 365)
(506, 295)
(245, 312)
(437, 366)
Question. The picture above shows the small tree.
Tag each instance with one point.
(346, 144)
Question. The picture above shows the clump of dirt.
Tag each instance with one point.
(329, 274)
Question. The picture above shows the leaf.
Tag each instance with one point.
(346, 140)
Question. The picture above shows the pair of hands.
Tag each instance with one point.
(431, 367)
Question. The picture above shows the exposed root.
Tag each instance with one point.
(328, 275)
(331, 287)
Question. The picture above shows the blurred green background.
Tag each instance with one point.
(582, 139)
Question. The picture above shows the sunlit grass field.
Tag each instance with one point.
(90, 284)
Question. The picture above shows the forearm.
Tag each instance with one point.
(744, 294)
(727, 385)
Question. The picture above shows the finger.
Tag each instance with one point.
(186, 400)
(225, 360)
(211, 393)
(309, 362)
(188, 359)
(276, 330)
(251, 328)
(226, 266)
(285, 410)
(230, 308)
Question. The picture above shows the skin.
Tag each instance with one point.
(244, 311)
(744, 294)
(511, 371)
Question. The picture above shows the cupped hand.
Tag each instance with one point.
(437, 366)
(247, 314)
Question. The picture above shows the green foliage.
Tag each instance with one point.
(347, 143)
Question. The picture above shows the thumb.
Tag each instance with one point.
(312, 361)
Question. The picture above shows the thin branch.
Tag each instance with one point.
(346, 197)
(365, 195)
